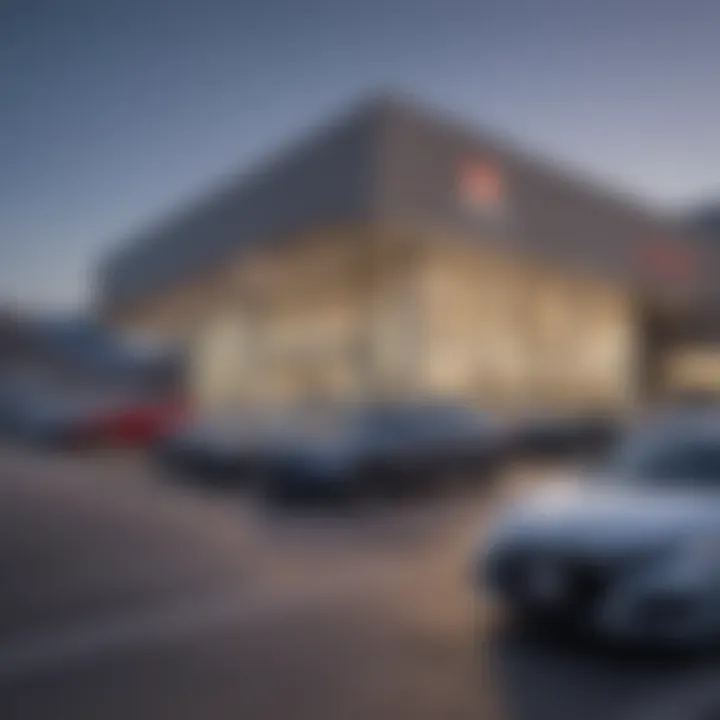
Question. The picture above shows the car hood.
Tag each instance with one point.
(605, 518)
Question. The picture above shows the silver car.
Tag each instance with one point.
(630, 551)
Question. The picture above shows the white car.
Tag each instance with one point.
(630, 551)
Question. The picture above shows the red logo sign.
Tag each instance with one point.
(481, 184)
(668, 260)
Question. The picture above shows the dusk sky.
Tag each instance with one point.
(114, 111)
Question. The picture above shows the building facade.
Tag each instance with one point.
(395, 253)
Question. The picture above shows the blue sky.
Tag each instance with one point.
(114, 111)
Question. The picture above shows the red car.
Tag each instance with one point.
(129, 421)
(77, 421)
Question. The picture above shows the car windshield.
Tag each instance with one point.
(669, 460)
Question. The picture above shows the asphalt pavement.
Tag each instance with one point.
(126, 595)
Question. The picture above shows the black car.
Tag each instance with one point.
(388, 449)
(564, 435)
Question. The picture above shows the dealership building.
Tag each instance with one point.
(396, 253)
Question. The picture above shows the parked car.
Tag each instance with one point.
(564, 435)
(80, 419)
(630, 551)
(385, 449)
(129, 420)
(233, 445)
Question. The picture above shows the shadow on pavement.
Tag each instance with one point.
(543, 675)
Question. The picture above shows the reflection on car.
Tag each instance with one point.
(382, 449)
(629, 551)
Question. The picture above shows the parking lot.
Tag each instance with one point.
(129, 594)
